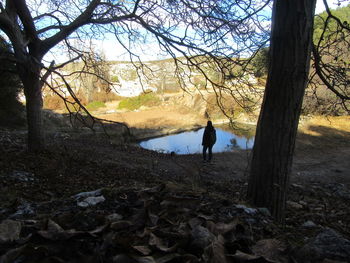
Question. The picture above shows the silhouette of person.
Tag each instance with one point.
(208, 141)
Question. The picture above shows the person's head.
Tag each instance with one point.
(209, 124)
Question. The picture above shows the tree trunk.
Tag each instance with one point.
(32, 90)
(291, 39)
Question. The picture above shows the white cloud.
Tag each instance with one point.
(333, 4)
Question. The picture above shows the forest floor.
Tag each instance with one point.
(170, 208)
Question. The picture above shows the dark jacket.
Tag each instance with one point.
(209, 136)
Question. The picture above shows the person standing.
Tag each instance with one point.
(208, 141)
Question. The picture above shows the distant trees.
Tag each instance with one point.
(328, 91)
(180, 28)
(94, 75)
(260, 62)
(215, 39)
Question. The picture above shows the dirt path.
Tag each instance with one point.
(322, 151)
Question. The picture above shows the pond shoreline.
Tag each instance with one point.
(188, 141)
(147, 134)
(140, 136)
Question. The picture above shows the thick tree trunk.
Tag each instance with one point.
(33, 93)
(291, 40)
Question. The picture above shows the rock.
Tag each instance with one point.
(294, 205)
(309, 224)
(201, 238)
(82, 195)
(328, 244)
(24, 209)
(247, 210)
(9, 230)
(91, 201)
(114, 217)
(264, 211)
(22, 176)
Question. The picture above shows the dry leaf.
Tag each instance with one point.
(243, 257)
(271, 249)
(144, 250)
(221, 228)
(9, 230)
(160, 244)
(216, 251)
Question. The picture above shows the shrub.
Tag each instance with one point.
(95, 105)
(54, 102)
(105, 96)
(323, 102)
(134, 103)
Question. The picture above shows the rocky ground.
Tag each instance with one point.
(87, 200)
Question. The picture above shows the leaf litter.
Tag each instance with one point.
(135, 216)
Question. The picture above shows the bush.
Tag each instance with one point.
(54, 102)
(323, 102)
(95, 105)
(104, 96)
(134, 103)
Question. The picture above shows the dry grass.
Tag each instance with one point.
(325, 132)
(341, 123)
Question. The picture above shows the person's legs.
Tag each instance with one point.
(210, 152)
(205, 152)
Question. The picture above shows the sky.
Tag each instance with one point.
(114, 51)
(110, 49)
(331, 3)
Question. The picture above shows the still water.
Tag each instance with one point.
(191, 142)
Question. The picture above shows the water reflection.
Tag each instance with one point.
(190, 142)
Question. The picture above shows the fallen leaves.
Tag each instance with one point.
(160, 225)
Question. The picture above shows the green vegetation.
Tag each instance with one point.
(134, 103)
(115, 78)
(261, 62)
(95, 105)
(342, 13)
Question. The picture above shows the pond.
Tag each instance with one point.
(190, 142)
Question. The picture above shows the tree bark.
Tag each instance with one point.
(30, 76)
(291, 39)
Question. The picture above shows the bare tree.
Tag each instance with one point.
(209, 29)
(204, 36)
(330, 68)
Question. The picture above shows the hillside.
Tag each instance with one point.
(120, 203)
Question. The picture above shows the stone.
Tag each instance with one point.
(82, 195)
(22, 176)
(91, 201)
(23, 209)
(309, 224)
(294, 205)
(247, 210)
(328, 244)
(264, 211)
(201, 238)
(114, 217)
